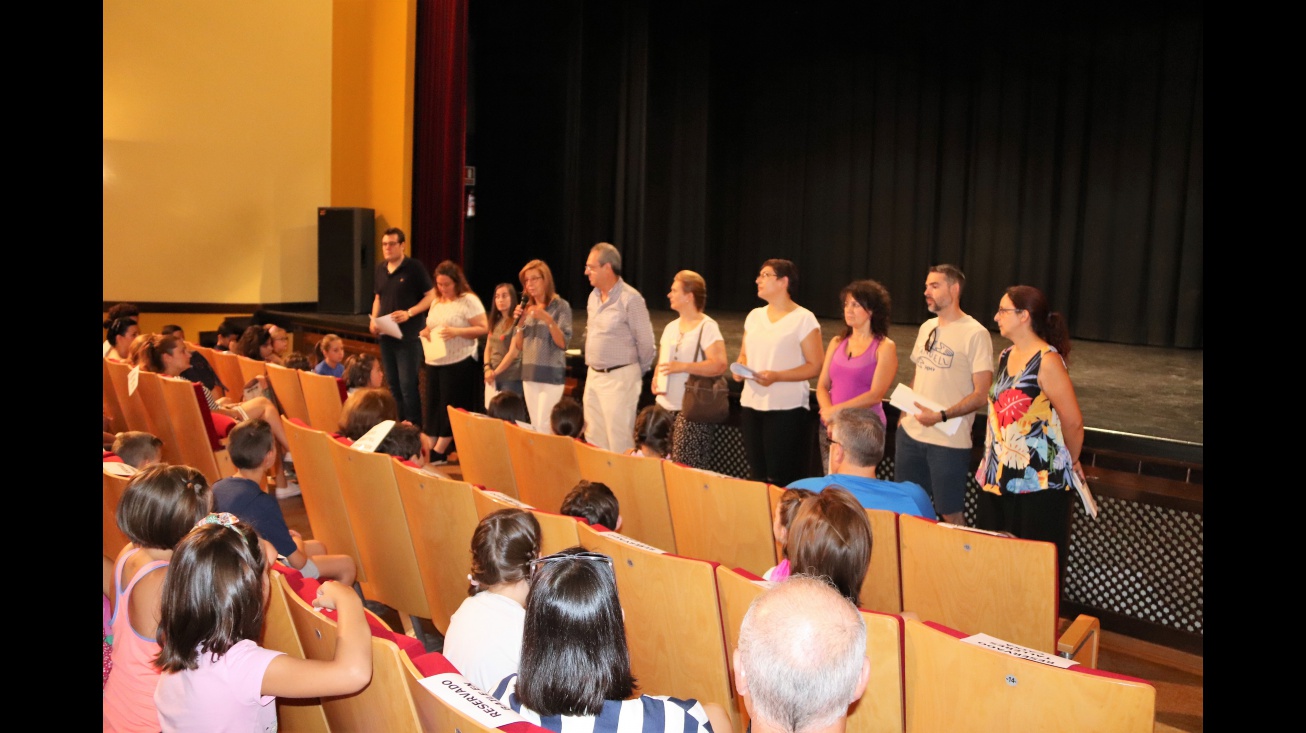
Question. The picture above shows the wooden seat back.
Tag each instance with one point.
(991, 690)
(192, 425)
(880, 710)
(290, 395)
(544, 466)
(557, 531)
(640, 489)
(114, 539)
(249, 369)
(882, 589)
(719, 518)
(303, 714)
(132, 404)
(385, 703)
(323, 398)
(112, 409)
(227, 366)
(324, 502)
(980, 583)
(673, 621)
(483, 451)
(156, 411)
(376, 512)
(441, 519)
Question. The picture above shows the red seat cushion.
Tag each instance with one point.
(306, 588)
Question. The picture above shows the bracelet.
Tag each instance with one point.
(944, 413)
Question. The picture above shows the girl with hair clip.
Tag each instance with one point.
(497, 342)
(216, 677)
(781, 518)
(653, 427)
(831, 537)
(119, 310)
(330, 352)
(575, 665)
(363, 371)
(543, 330)
(121, 332)
(1035, 429)
(157, 509)
(484, 636)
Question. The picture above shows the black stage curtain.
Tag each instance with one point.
(1053, 144)
(440, 91)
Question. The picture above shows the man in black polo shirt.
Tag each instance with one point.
(403, 290)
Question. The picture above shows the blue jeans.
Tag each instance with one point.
(401, 360)
(941, 471)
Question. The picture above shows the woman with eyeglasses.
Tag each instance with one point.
(782, 348)
(691, 344)
(575, 666)
(861, 363)
(1035, 429)
(543, 331)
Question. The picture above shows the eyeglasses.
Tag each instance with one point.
(592, 268)
(929, 340)
(764, 275)
(590, 556)
(830, 438)
(1009, 310)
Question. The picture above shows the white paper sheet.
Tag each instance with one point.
(433, 347)
(660, 378)
(133, 379)
(1015, 650)
(743, 371)
(904, 399)
(386, 325)
(372, 438)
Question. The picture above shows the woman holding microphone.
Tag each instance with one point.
(543, 332)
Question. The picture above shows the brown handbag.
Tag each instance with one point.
(707, 399)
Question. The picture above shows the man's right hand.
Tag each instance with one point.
(371, 327)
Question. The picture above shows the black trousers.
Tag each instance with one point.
(776, 442)
(459, 384)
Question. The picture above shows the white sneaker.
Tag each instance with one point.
(286, 458)
(289, 490)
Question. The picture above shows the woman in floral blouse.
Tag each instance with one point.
(1035, 430)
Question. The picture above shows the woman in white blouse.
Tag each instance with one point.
(691, 344)
(456, 319)
(782, 347)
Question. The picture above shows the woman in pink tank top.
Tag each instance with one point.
(860, 363)
(157, 509)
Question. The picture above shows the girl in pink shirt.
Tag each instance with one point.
(215, 675)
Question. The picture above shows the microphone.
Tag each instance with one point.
(525, 299)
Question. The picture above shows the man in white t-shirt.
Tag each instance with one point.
(953, 355)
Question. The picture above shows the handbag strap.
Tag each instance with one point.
(698, 348)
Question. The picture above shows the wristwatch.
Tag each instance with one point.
(944, 413)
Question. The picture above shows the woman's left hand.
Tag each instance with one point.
(827, 414)
(765, 378)
(1079, 471)
(444, 332)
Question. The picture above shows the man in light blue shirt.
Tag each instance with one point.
(856, 447)
(619, 348)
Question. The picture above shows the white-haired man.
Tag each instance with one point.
(801, 659)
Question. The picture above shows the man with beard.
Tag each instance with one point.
(953, 355)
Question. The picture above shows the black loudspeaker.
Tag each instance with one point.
(346, 257)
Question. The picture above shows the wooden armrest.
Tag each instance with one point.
(1081, 640)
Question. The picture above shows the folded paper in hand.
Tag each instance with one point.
(905, 399)
(743, 371)
(386, 325)
(433, 347)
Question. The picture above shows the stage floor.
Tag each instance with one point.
(1143, 390)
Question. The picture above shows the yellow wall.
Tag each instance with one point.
(372, 109)
(227, 123)
(217, 130)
